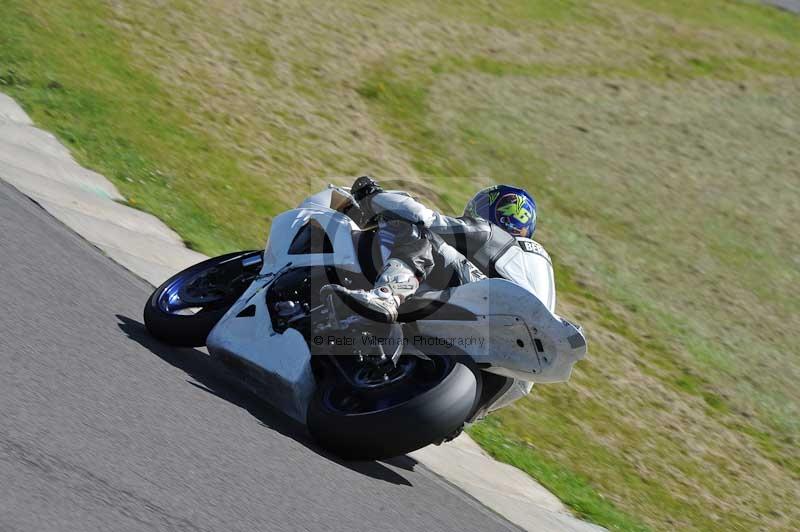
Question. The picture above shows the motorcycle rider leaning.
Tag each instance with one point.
(491, 238)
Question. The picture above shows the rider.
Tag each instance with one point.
(492, 238)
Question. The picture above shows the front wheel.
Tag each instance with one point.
(424, 403)
(184, 309)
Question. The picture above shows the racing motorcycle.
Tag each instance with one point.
(365, 390)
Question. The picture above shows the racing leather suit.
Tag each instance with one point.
(414, 232)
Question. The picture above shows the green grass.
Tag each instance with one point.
(660, 139)
(575, 491)
(122, 122)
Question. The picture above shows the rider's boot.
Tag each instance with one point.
(395, 283)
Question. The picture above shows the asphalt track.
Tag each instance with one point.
(103, 428)
(788, 5)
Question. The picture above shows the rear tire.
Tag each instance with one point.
(191, 330)
(430, 417)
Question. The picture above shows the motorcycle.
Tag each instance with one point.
(364, 390)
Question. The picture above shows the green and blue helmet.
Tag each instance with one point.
(511, 208)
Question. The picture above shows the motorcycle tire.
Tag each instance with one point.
(430, 417)
(192, 329)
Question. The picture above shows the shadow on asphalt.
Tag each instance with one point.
(213, 377)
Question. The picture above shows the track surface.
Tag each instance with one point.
(788, 5)
(102, 428)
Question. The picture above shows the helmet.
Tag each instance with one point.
(511, 208)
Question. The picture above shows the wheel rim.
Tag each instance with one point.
(371, 376)
(191, 293)
(414, 376)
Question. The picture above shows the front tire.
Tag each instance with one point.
(429, 417)
(177, 316)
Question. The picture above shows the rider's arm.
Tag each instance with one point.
(398, 205)
(376, 203)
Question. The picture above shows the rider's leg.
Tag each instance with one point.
(410, 260)
(461, 269)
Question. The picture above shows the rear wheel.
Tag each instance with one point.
(388, 414)
(184, 309)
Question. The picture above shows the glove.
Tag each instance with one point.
(364, 187)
